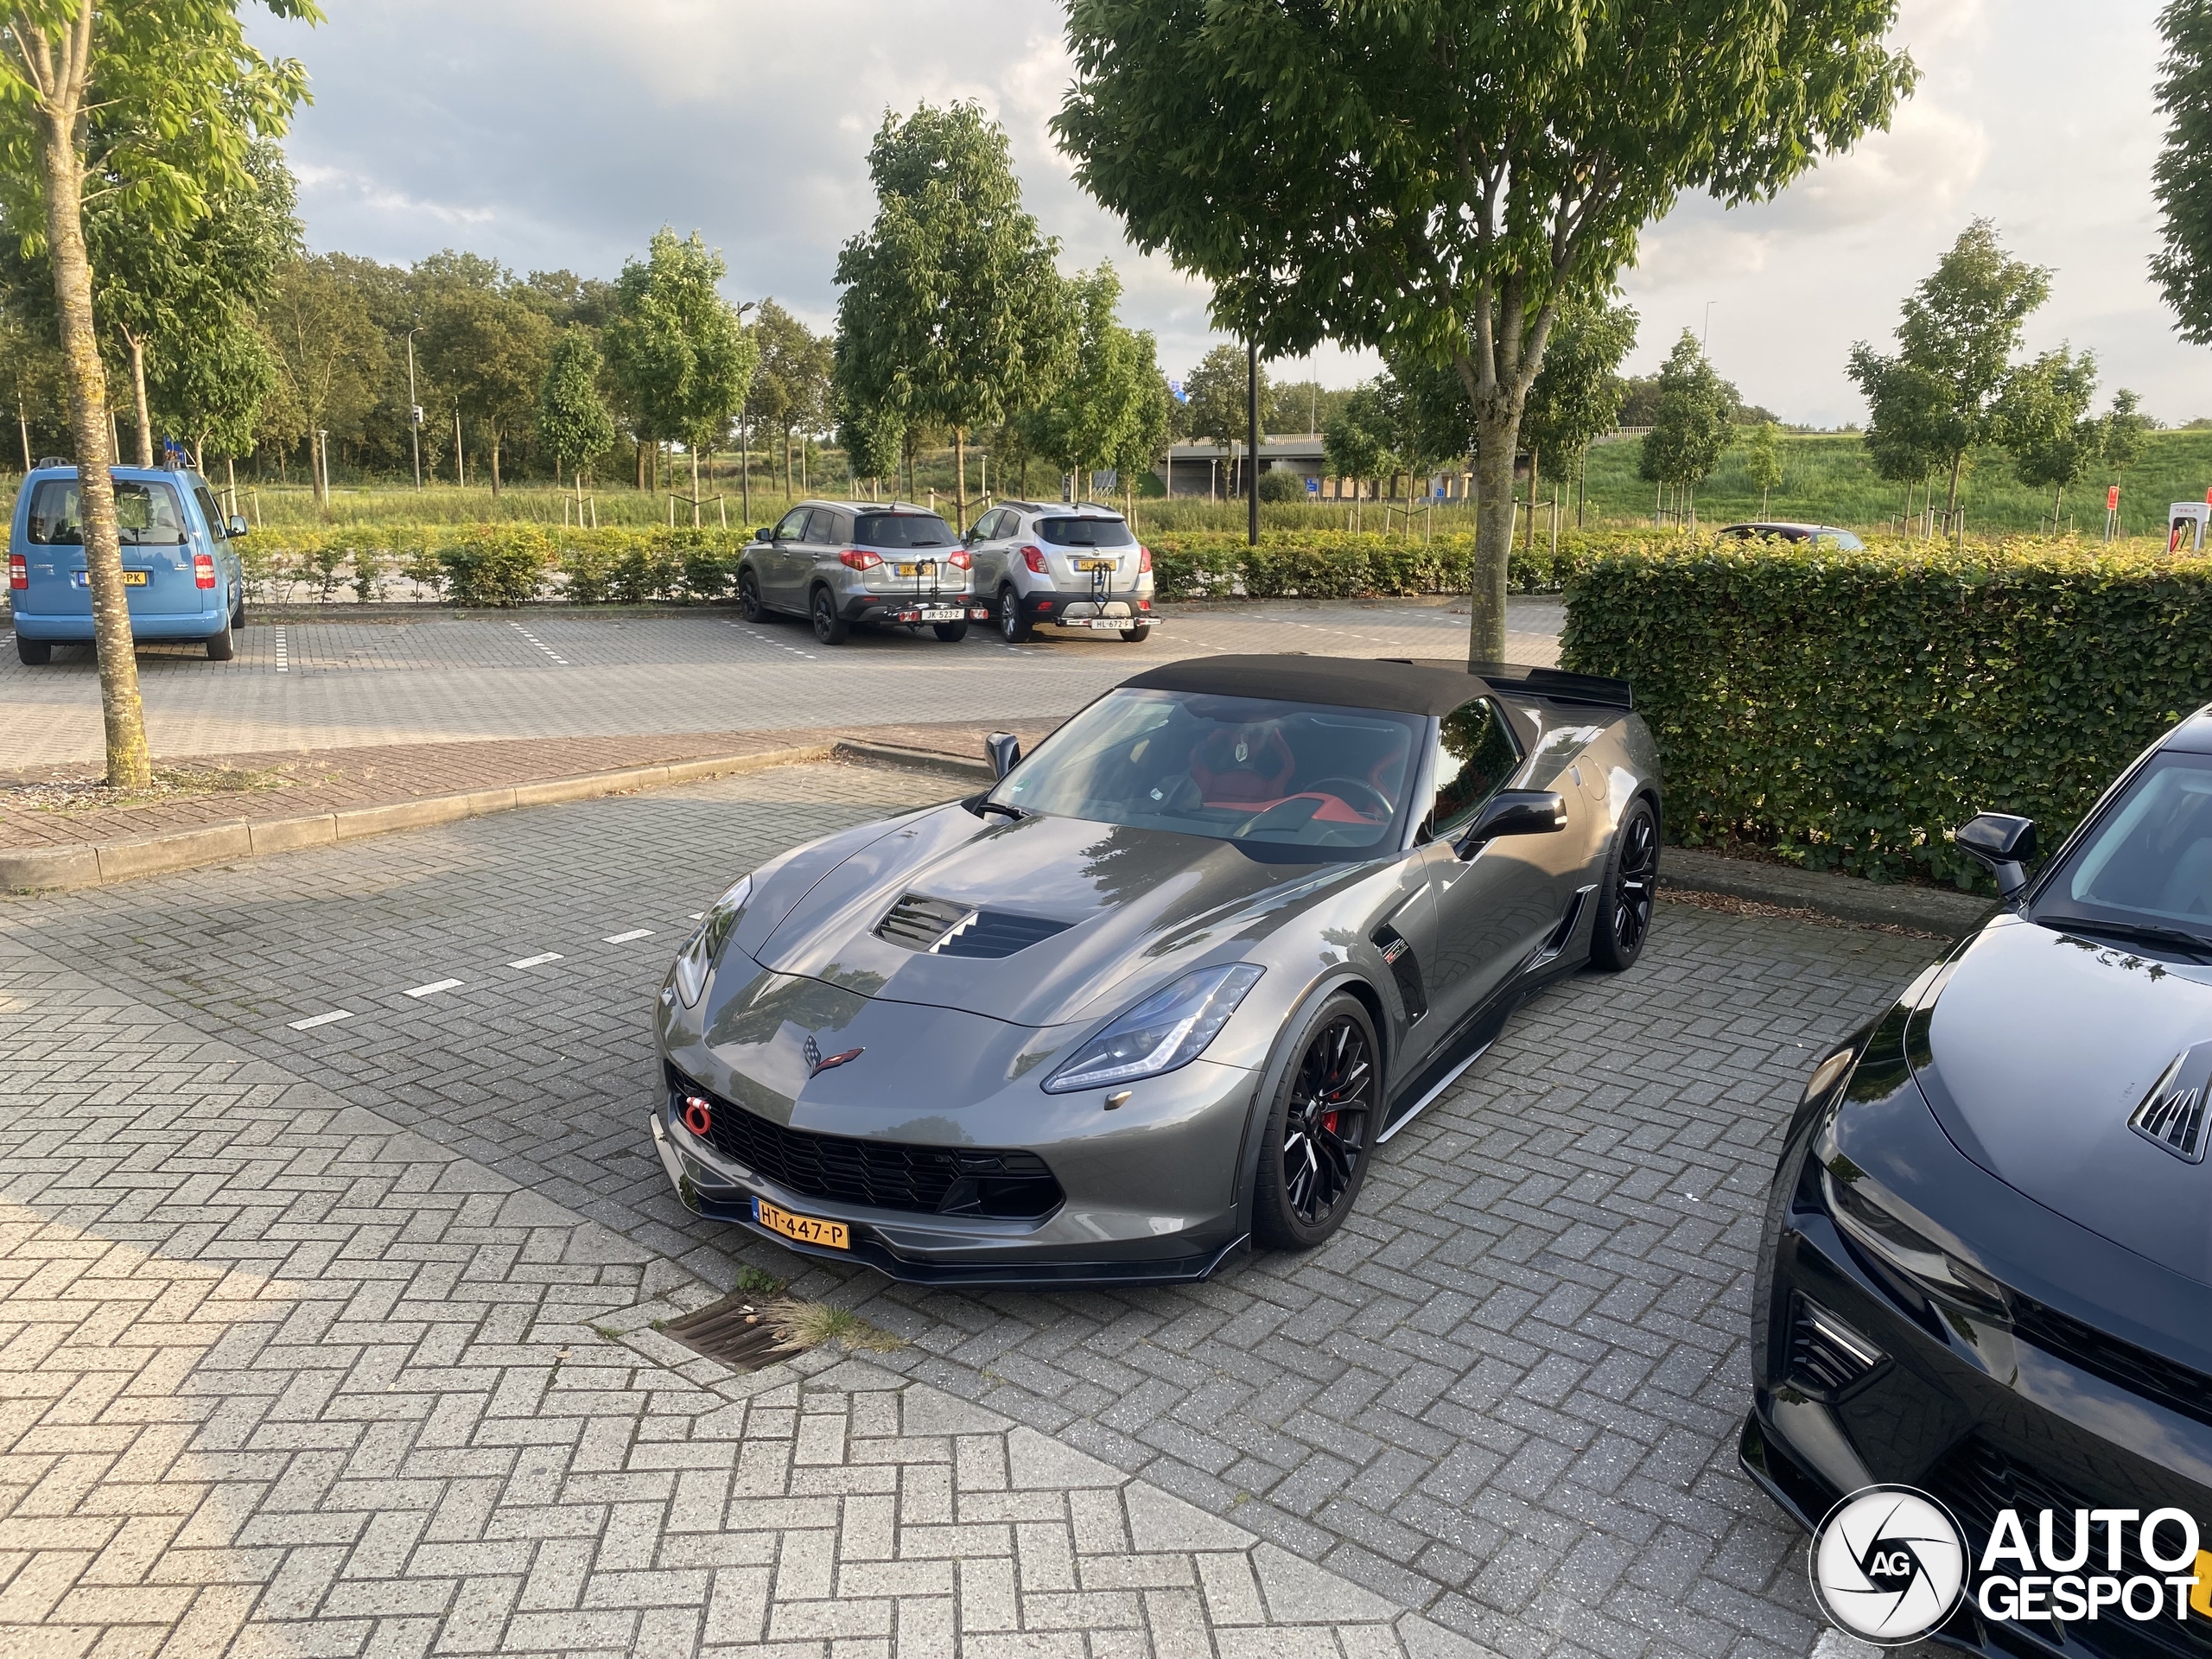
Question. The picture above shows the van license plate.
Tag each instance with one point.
(805, 1228)
(131, 578)
(1097, 564)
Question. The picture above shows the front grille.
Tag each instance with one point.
(1978, 1480)
(944, 929)
(2173, 1385)
(1827, 1356)
(881, 1174)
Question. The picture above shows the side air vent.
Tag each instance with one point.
(1405, 967)
(2172, 1113)
(944, 929)
(1826, 1357)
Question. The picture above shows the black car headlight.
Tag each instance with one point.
(1169, 1028)
(1876, 1223)
(697, 959)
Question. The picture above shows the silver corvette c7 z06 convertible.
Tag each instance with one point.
(1157, 995)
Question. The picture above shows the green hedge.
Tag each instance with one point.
(1849, 711)
(1358, 564)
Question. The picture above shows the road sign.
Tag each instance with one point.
(1312, 486)
(2111, 500)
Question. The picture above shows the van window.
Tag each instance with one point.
(213, 513)
(148, 515)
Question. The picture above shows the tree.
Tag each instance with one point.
(1219, 390)
(790, 388)
(2124, 427)
(213, 390)
(872, 439)
(1285, 155)
(1355, 443)
(1576, 396)
(490, 351)
(572, 418)
(952, 312)
(1108, 407)
(2182, 177)
(180, 95)
(1763, 458)
(2040, 418)
(677, 347)
(1690, 432)
(1959, 327)
(329, 352)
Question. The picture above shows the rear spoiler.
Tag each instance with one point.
(1553, 684)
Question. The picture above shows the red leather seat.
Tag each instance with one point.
(1250, 766)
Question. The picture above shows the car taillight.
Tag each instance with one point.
(1144, 560)
(856, 560)
(203, 569)
(19, 574)
(1034, 558)
(960, 560)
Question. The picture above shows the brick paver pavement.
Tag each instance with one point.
(1503, 1397)
(545, 674)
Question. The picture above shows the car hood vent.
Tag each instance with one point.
(945, 929)
(2172, 1113)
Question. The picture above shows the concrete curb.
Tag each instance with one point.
(101, 863)
(896, 755)
(1846, 898)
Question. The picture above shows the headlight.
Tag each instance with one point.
(1169, 1028)
(1869, 1218)
(697, 959)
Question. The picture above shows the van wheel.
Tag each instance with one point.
(238, 614)
(829, 627)
(952, 633)
(1013, 627)
(222, 647)
(1137, 636)
(34, 653)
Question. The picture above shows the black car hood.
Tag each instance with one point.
(1132, 905)
(2039, 1048)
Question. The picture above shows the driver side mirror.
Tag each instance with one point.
(1004, 749)
(236, 526)
(2003, 843)
(765, 533)
(1513, 812)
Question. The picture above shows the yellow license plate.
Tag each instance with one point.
(920, 569)
(133, 578)
(805, 1228)
(1095, 564)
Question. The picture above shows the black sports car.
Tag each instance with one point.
(1161, 992)
(1986, 1270)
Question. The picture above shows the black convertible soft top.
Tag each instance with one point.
(1340, 681)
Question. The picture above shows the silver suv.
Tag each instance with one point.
(839, 563)
(1064, 565)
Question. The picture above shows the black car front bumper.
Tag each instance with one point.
(1861, 1379)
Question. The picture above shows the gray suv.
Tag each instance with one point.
(1064, 565)
(839, 563)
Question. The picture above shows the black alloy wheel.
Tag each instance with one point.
(748, 596)
(1319, 1133)
(829, 627)
(1631, 888)
(1013, 627)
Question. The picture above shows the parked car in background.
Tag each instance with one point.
(181, 568)
(1986, 1270)
(839, 563)
(1842, 540)
(1062, 564)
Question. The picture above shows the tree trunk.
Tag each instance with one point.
(638, 463)
(495, 460)
(960, 480)
(122, 714)
(1252, 441)
(1497, 435)
(1534, 459)
(138, 395)
(693, 448)
(1951, 501)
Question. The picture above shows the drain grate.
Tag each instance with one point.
(734, 1332)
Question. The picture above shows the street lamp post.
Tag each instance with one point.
(414, 409)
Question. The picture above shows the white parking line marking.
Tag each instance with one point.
(539, 643)
(625, 938)
(751, 635)
(330, 1019)
(537, 961)
(283, 663)
(433, 987)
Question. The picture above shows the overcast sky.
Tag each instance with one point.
(550, 133)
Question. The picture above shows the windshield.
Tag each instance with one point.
(1273, 776)
(2149, 861)
(903, 530)
(1085, 532)
(149, 515)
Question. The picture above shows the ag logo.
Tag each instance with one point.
(1889, 1564)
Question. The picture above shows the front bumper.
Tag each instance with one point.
(2027, 1412)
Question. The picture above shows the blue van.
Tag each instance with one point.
(180, 562)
